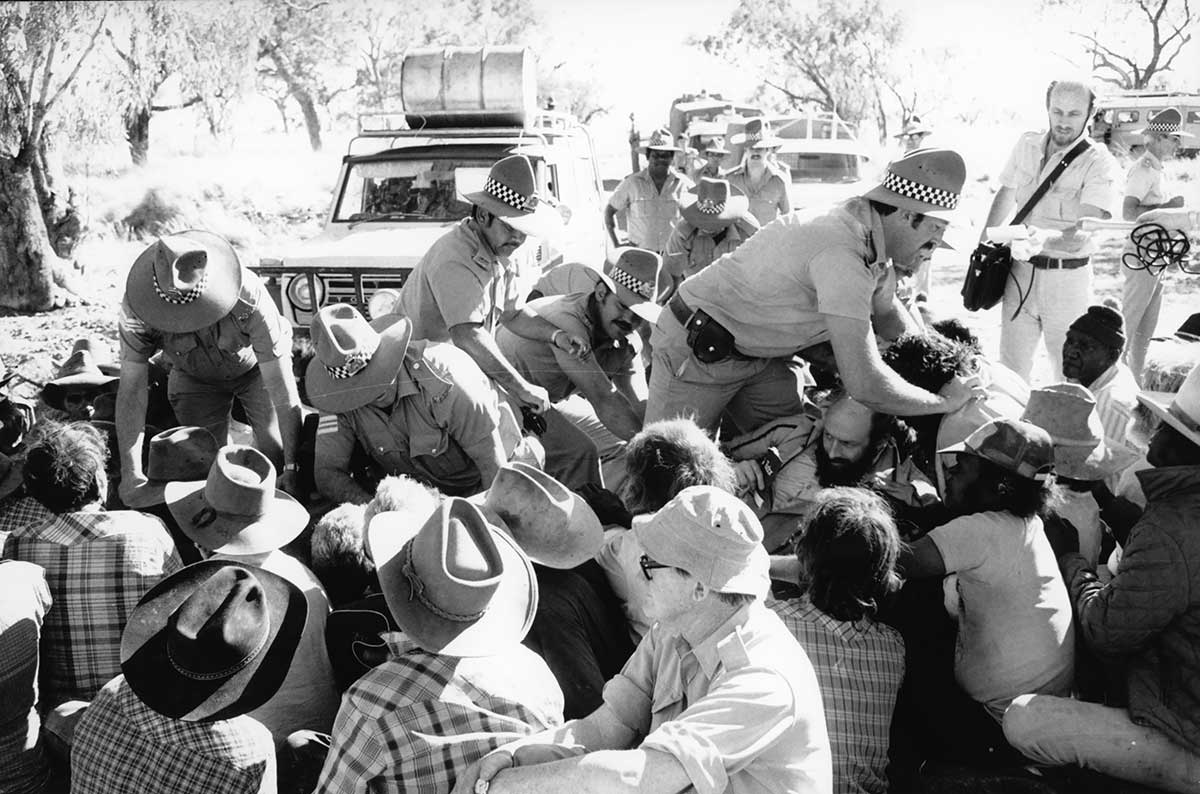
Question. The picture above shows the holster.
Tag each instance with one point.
(709, 340)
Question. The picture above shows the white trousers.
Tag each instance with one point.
(1056, 299)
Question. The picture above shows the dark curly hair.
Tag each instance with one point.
(847, 553)
(63, 464)
(668, 456)
(928, 360)
(953, 329)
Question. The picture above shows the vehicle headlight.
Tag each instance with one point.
(300, 292)
(383, 302)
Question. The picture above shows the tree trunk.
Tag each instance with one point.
(62, 221)
(137, 133)
(27, 261)
(303, 97)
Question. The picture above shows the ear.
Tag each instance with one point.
(700, 592)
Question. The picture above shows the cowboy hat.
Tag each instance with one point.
(551, 523)
(355, 360)
(1067, 411)
(11, 470)
(457, 585)
(716, 147)
(757, 135)
(929, 181)
(510, 193)
(237, 510)
(184, 282)
(914, 126)
(212, 641)
(1168, 122)
(90, 364)
(1180, 410)
(661, 140)
(632, 275)
(709, 205)
(181, 454)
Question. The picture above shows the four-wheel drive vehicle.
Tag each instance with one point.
(827, 161)
(1120, 118)
(399, 190)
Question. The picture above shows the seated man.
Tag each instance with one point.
(417, 408)
(83, 377)
(719, 696)
(602, 393)
(845, 568)
(176, 720)
(458, 682)
(1146, 617)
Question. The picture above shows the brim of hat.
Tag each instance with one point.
(1089, 463)
(544, 221)
(735, 207)
(84, 379)
(507, 620)
(338, 395)
(646, 309)
(218, 299)
(918, 131)
(577, 543)
(238, 535)
(892, 198)
(754, 579)
(662, 148)
(148, 669)
(1159, 403)
(1180, 133)
(718, 151)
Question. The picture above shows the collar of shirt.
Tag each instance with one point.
(417, 375)
(1108, 376)
(481, 252)
(1150, 160)
(725, 643)
(669, 183)
(1048, 158)
(860, 210)
(1165, 481)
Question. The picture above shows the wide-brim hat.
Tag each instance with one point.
(1180, 410)
(757, 135)
(914, 126)
(11, 470)
(710, 204)
(184, 282)
(632, 274)
(551, 523)
(716, 148)
(1168, 122)
(661, 140)
(929, 181)
(1067, 411)
(237, 510)
(89, 365)
(510, 193)
(181, 454)
(212, 641)
(355, 360)
(456, 585)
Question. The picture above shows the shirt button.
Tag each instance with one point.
(381, 449)
(417, 366)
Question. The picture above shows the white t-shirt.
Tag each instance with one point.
(1015, 633)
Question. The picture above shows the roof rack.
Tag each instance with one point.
(383, 124)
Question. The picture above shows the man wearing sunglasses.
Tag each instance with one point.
(650, 197)
(718, 696)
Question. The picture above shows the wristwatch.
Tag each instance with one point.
(291, 467)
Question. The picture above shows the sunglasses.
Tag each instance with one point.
(649, 565)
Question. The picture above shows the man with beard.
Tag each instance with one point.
(1052, 288)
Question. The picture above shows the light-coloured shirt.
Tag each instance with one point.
(1144, 181)
(860, 665)
(1116, 393)
(774, 291)
(650, 212)
(24, 601)
(769, 199)
(1015, 632)
(1092, 178)
(689, 250)
(741, 711)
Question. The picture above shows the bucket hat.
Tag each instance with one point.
(661, 140)
(1168, 121)
(709, 205)
(1067, 411)
(632, 274)
(551, 523)
(237, 510)
(355, 360)
(1180, 410)
(456, 585)
(712, 535)
(212, 641)
(184, 282)
(1014, 445)
(928, 181)
(510, 193)
(757, 135)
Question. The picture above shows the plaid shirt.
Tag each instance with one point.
(18, 511)
(24, 600)
(98, 566)
(860, 666)
(414, 722)
(121, 744)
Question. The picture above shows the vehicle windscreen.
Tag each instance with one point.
(429, 189)
(822, 166)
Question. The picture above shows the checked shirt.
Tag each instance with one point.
(416, 721)
(121, 744)
(98, 565)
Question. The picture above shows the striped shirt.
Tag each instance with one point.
(121, 744)
(98, 565)
(24, 600)
(416, 721)
(860, 666)
(1116, 393)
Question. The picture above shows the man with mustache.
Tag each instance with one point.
(1050, 289)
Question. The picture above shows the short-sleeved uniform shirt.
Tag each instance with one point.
(651, 212)
(1144, 181)
(545, 365)
(690, 250)
(459, 280)
(1091, 178)
(445, 417)
(741, 711)
(769, 199)
(773, 291)
(251, 333)
(1015, 632)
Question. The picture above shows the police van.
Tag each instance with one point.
(1120, 117)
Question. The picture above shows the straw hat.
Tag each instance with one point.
(212, 641)
(1180, 410)
(929, 181)
(355, 360)
(237, 510)
(633, 275)
(1067, 411)
(456, 585)
(510, 193)
(709, 205)
(184, 282)
(661, 140)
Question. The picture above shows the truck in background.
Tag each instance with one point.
(1119, 118)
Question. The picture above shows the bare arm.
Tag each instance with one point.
(613, 408)
(281, 386)
(132, 399)
(477, 343)
(610, 224)
(1131, 208)
(603, 772)
(1002, 204)
(892, 320)
(529, 324)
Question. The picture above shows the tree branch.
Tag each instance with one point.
(79, 64)
(112, 40)
(196, 100)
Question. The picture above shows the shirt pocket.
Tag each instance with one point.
(427, 440)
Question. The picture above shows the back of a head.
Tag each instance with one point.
(847, 553)
(929, 360)
(668, 456)
(64, 464)
(339, 556)
(402, 494)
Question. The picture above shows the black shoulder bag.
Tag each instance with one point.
(991, 263)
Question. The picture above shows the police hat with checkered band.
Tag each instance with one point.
(632, 275)
(709, 205)
(510, 193)
(355, 360)
(184, 282)
(929, 181)
(1167, 122)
